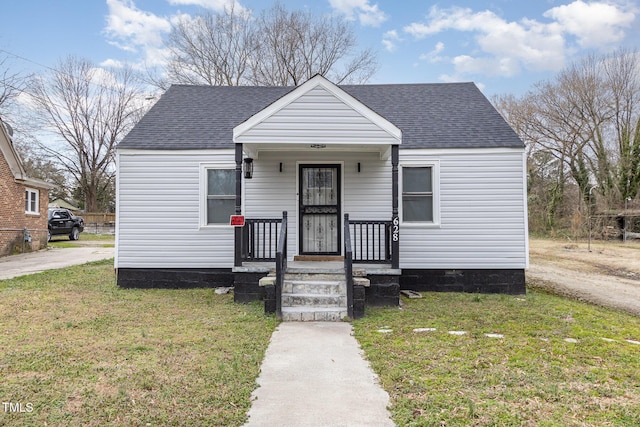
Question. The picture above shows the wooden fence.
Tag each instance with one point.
(98, 217)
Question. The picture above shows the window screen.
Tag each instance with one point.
(417, 194)
(221, 195)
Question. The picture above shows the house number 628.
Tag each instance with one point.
(395, 235)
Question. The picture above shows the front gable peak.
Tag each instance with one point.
(318, 112)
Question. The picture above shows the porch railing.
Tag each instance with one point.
(259, 239)
(281, 263)
(372, 241)
(348, 265)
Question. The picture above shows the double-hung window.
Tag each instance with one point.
(31, 203)
(221, 195)
(418, 194)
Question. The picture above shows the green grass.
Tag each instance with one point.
(102, 240)
(532, 376)
(82, 351)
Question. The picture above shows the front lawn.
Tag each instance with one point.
(548, 361)
(77, 350)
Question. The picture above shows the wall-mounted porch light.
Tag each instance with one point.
(358, 167)
(248, 168)
(281, 167)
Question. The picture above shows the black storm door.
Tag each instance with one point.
(319, 209)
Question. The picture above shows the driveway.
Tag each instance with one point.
(51, 258)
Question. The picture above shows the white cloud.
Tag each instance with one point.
(134, 30)
(504, 47)
(367, 14)
(112, 63)
(507, 67)
(141, 32)
(434, 55)
(217, 5)
(594, 23)
(389, 45)
(134, 26)
(390, 39)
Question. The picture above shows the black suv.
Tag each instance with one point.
(62, 221)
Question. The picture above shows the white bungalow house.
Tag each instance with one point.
(430, 175)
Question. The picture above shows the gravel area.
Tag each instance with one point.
(607, 275)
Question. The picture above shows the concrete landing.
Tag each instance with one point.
(313, 374)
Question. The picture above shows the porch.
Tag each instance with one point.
(319, 154)
(317, 287)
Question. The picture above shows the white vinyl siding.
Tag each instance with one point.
(317, 117)
(479, 198)
(482, 212)
(160, 199)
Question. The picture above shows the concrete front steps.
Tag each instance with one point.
(314, 294)
(309, 295)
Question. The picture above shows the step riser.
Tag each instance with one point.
(315, 316)
(314, 277)
(312, 296)
(319, 301)
(314, 288)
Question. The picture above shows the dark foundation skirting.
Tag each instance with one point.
(247, 287)
(174, 278)
(383, 291)
(511, 281)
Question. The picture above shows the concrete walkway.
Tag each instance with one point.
(313, 374)
(49, 259)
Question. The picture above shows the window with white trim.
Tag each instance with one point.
(221, 195)
(31, 201)
(417, 194)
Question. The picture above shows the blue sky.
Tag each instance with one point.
(503, 45)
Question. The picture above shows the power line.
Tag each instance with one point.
(15, 55)
(55, 70)
(106, 124)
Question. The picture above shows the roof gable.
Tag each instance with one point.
(10, 154)
(318, 112)
(12, 158)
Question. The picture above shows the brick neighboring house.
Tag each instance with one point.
(23, 202)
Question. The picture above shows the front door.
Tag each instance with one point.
(319, 209)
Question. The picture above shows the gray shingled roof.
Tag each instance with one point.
(446, 115)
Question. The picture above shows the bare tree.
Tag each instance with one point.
(88, 110)
(278, 48)
(297, 45)
(212, 49)
(622, 73)
(547, 154)
(11, 84)
(588, 119)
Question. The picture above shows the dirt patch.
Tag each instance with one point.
(608, 274)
